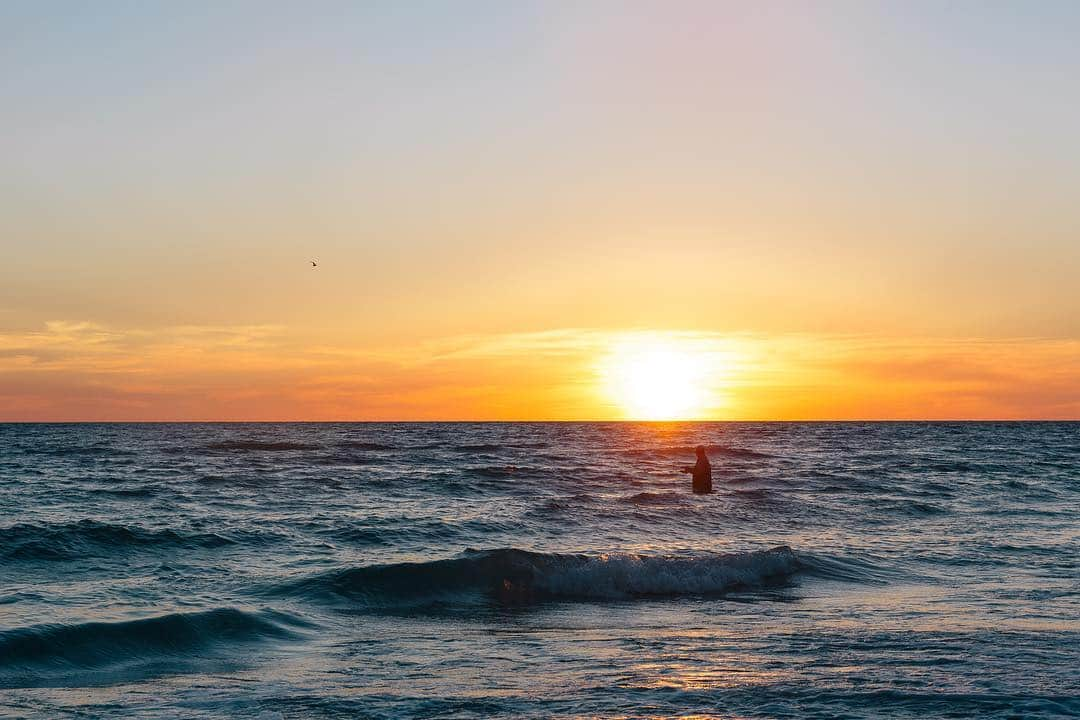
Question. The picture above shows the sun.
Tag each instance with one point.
(658, 379)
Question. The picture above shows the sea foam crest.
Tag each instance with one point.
(625, 574)
(519, 575)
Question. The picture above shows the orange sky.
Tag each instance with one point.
(87, 372)
(835, 210)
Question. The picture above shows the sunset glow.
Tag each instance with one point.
(73, 371)
(654, 379)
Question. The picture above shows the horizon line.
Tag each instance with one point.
(536, 422)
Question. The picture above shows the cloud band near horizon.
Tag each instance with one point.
(81, 371)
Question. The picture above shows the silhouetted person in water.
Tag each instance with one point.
(702, 472)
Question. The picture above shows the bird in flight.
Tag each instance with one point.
(314, 264)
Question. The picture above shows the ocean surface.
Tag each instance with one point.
(532, 570)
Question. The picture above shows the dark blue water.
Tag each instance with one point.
(539, 570)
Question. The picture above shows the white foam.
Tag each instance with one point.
(624, 574)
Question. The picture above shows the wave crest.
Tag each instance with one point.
(260, 445)
(360, 445)
(84, 538)
(678, 451)
(511, 575)
(656, 498)
(98, 644)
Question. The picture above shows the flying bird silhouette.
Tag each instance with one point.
(314, 264)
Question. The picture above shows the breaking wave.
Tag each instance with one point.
(512, 575)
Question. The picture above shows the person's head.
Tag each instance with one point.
(700, 450)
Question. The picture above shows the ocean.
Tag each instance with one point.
(539, 570)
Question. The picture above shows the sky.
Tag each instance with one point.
(539, 210)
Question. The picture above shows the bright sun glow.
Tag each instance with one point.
(660, 379)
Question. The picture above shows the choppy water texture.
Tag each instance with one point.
(539, 570)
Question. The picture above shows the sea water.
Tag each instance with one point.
(532, 570)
